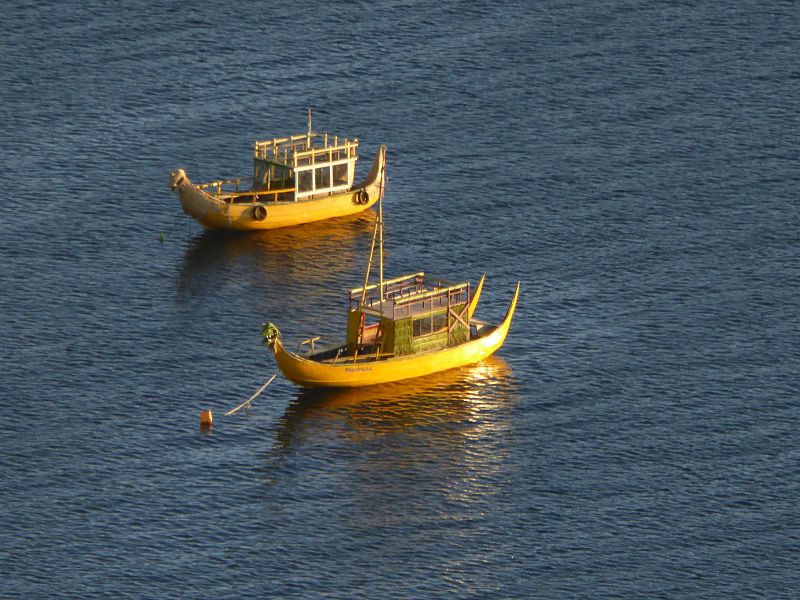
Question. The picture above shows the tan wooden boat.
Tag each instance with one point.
(297, 179)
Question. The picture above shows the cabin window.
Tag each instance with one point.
(439, 322)
(322, 177)
(281, 173)
(340, 174)
(261, 175)
(305, 181)
(422, 326)
(429, 324)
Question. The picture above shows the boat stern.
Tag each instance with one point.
(375, 182)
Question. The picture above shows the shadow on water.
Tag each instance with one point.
(294, 256)
(458, 397)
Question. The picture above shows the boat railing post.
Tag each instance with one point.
(448, 316)
(469, 329)
(380, 217)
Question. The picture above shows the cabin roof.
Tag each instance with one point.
(305, 148)
(417, 277)
(408, 295)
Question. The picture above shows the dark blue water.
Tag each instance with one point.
(634, 164)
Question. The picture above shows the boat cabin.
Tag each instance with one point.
(308, 165)
(413, 314)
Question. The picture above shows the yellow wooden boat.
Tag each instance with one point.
(296, 179)
(397, 329)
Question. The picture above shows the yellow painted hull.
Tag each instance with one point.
(311, 373)
(213, 213)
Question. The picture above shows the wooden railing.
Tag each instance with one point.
(253, 195)
(288, 150)
(437, 298)
(406, 284)
(219, 183)
(258, 196)
(413, 294)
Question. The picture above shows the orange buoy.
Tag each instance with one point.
(206, 418)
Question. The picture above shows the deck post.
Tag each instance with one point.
(449, 329)
(380, 218)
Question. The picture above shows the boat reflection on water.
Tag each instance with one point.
(294, 256)
(466, 400)
(444, 436)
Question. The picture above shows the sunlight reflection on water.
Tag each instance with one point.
(468, 402)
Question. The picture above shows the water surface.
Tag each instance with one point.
(634, 164)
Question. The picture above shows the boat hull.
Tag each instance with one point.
(213, 213)
(310, 373)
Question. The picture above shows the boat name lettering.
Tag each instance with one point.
(357, 369)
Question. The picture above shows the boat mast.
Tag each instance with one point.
(380, 218)
(378, 227)
(378, 231)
